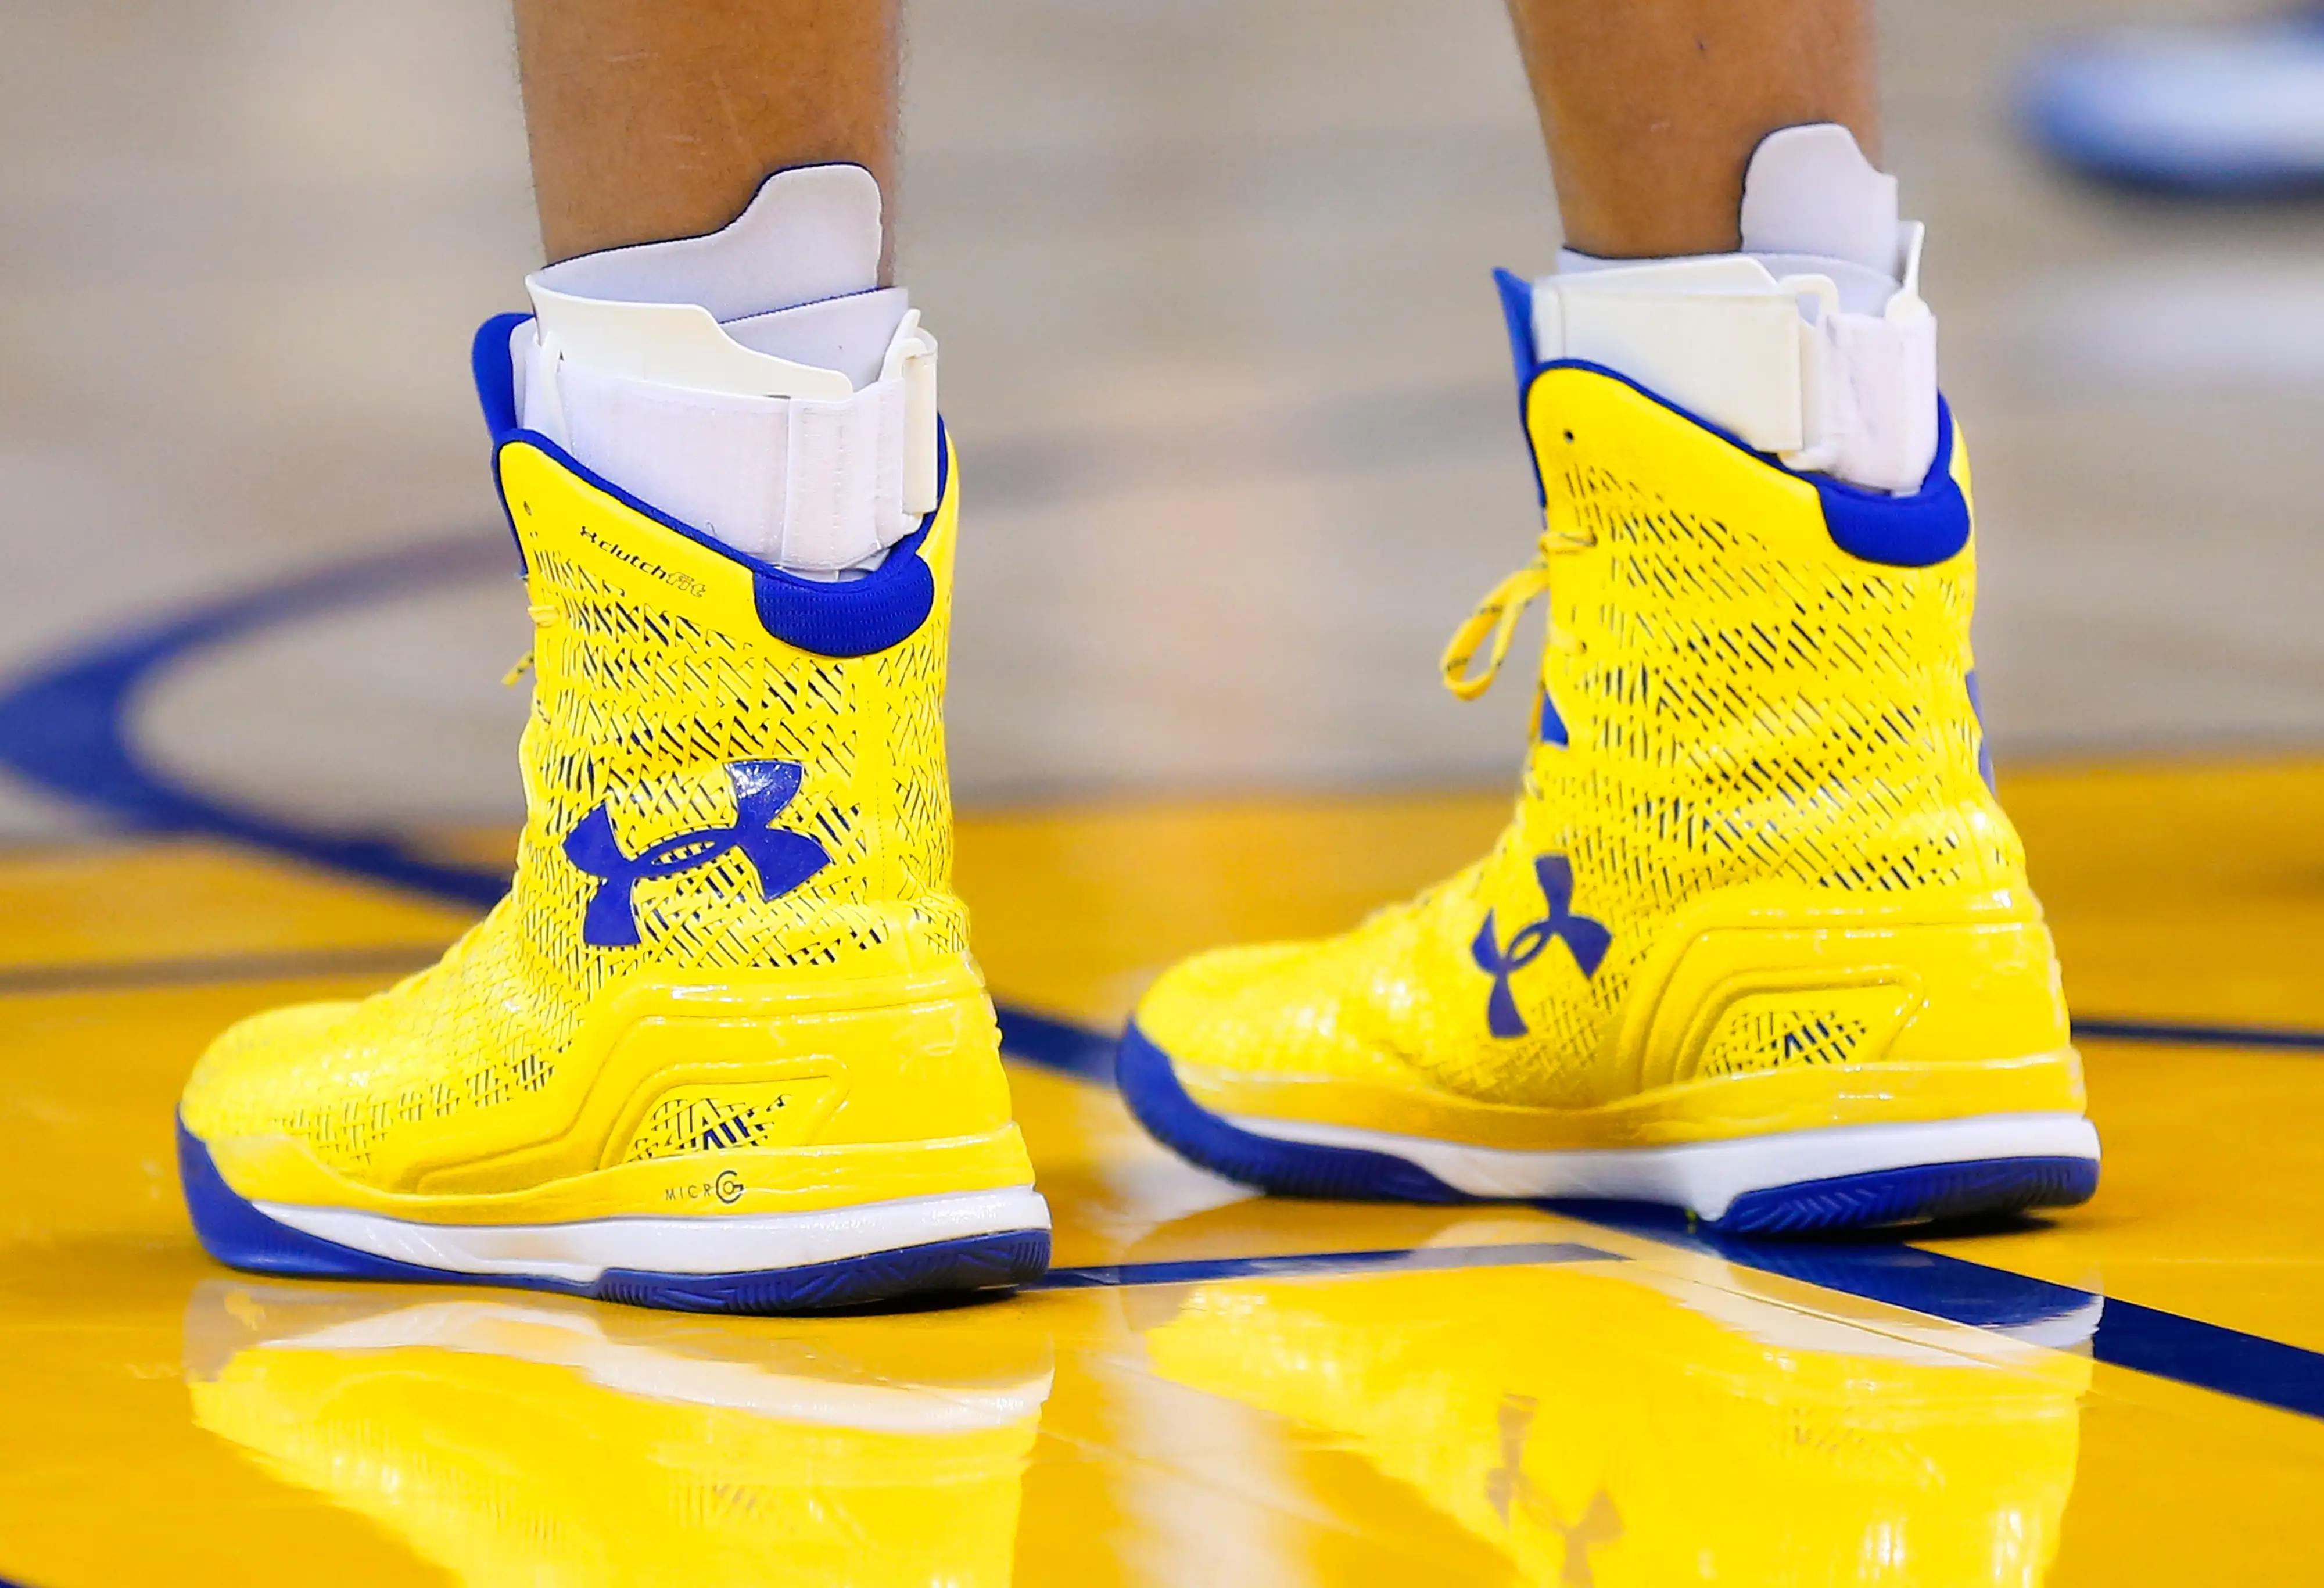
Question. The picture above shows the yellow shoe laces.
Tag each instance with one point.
(542, 617)
(1498, 615)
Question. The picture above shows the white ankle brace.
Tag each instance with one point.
(755, 384)
(1812, 343)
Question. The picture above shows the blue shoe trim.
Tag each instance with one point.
(1286, 1169)
(1516, 313)
(494, 368)
(1918, 1196)
(493, 365)
(1929, 526)
(852, 618)
(1851, 1202)
(1984, 744)
(1551, 728)
(1920, 530)
(240, 1236)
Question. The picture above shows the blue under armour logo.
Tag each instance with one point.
(783, 860)
(1587, 938)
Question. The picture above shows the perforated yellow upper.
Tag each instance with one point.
(1745, 704)
(654, 677)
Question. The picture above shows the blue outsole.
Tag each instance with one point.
(1924, 1193)
(240, 1236)
(1286, 1169)
(1985, 1187)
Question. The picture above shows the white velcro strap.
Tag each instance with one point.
(1774, 361)
(1717, 335)
(816, 484)
(842, 483)
(1876, 401)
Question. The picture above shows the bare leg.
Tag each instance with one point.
(658, 118)
(1652, 108)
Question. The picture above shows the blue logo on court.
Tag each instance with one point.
(1586, 939)
(783, 860)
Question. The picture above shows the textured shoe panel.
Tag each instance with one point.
(1745, 706)
(1751, 1041)
(671, 725)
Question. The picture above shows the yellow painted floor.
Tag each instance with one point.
(1470, 1396)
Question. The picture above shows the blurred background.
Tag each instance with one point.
(1219, 348)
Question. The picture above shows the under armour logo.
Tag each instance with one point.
(1587, 938)
(1601, 1522)
(783, 860)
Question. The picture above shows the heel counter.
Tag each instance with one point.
(755, 1063)
(1750, 982)
(760, 1061)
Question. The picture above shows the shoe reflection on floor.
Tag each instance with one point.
(543, 1441)
(1622, 1422)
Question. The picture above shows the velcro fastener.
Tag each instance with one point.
(812, 485)
(1775, 363)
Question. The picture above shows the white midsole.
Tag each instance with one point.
(710, 1243)
(1708, 1176)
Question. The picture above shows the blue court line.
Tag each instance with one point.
(1056, 1045)
(2195, 1034)
(64, 728)
(2249, 1367)
(1403, 1260)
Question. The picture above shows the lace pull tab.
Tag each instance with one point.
(1496, 615)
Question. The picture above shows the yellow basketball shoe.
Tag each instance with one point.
(1757, 940)
(722, 1045)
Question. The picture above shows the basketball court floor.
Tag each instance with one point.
(254, 748)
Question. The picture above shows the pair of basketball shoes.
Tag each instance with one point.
(1756, 942)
